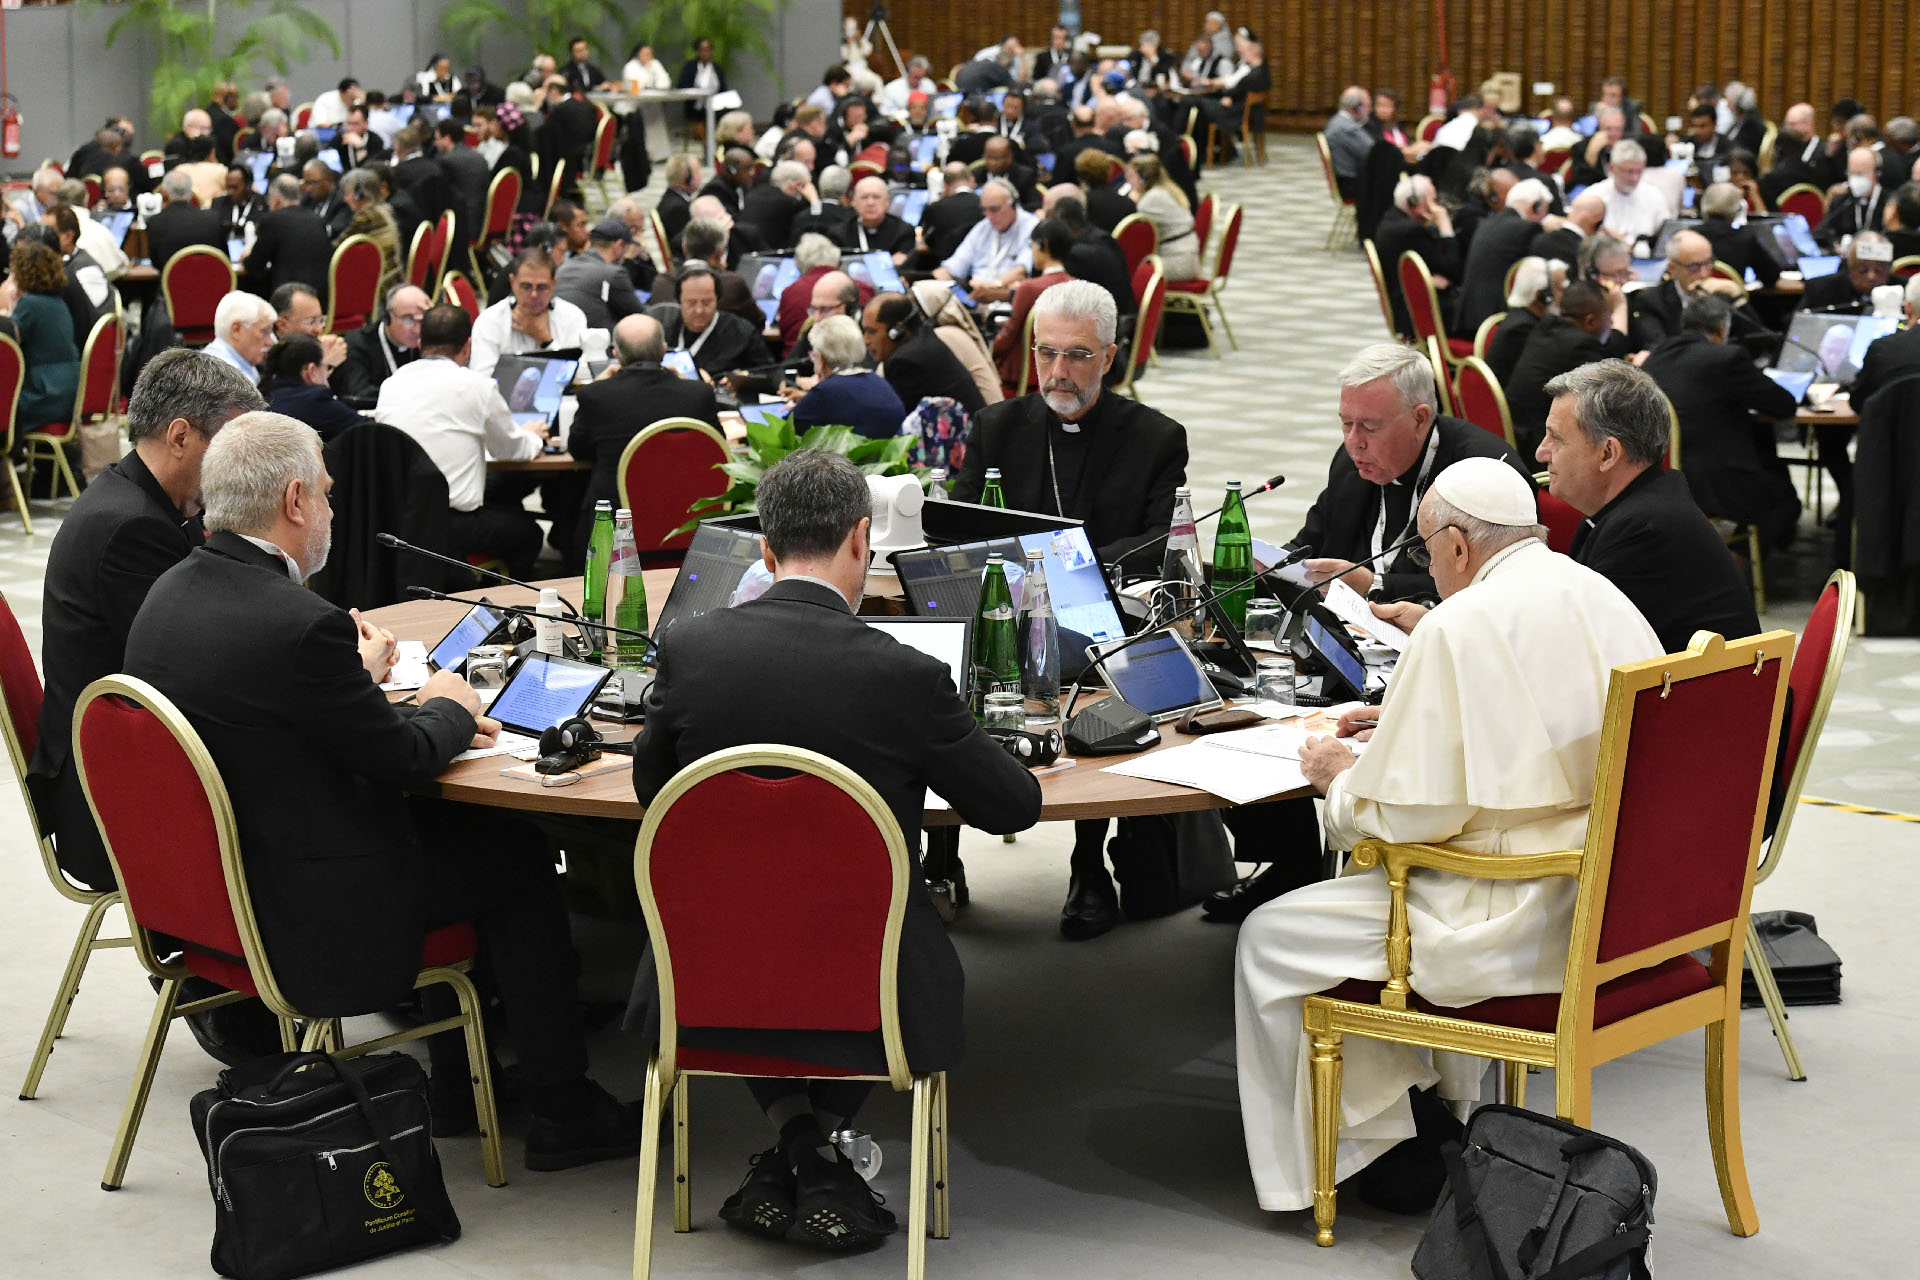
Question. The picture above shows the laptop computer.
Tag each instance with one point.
(945, 106)
(941, 638)
(926, 150)
(717, 559)
(908, 206)
(547, 692)
(532, 385)
(1668, 229)
(260, 162)
(1794, 381)
(1830, 343)
(450, 653)
(762, 414)
(874, 268)
(117, 221)
(944, 582)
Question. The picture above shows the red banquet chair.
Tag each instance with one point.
(1423, 308)
(1345, 225)
(666, 469)
(13, 376)
(194, 281)
(1203, 215)
(1562, 520)
(1804, 199)
(1817, 663)
(170, 833)
(1192, 296)
(21, 691)
(1137, 237)
(1481, 400)
(93, 401)
(1146, 327)
(840, 852)
(458, 290)
(353, 284)
(1680, 797)
(603, 138)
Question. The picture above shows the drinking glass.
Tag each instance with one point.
(487, 669)
(1266, 620)
(1006, 710)
(1273, 682)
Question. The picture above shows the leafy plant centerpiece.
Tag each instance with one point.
(768, 442)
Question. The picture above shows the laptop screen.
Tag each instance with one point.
(1794, 382)
(761, 414)
(909, 205)
(944, 582)
(945, 106)
(942, 638)
(926, 149)
(874, 269)
(260, 162)
(717, 559)
(119, 222)
(472, 629)
(531, 387)
(1831, 344)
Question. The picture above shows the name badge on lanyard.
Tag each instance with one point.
(1380, 542)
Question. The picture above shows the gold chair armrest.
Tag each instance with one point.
(1399, 859)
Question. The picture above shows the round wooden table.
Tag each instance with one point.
(1083, 791)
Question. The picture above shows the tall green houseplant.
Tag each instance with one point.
(190, 55)
(543, 26)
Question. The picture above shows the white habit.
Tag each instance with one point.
(1487, 740)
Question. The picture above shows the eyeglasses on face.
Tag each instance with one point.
(1420, 554)
(1078, 357)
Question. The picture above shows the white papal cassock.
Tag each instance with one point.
(1487, 740)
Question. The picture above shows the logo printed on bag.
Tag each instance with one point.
(381, 1190)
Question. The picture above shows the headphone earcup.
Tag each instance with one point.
(550, 742)
(896, 334)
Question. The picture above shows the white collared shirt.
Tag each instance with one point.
(221, 349)
(494, 335)
(457, 415)
(986, 252)
(293, 566)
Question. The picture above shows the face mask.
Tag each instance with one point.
(1860, 185)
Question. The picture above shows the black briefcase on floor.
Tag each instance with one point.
(1805, 968)
(318, 1162)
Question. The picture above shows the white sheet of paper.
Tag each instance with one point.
(1239, 777)
(507, 743)
(409, 666)
(1351, 608)
(1281, 741)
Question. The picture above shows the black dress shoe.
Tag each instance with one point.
(764, 1202)
(1231, 906)
(1093, 907)
(834, 1208)
(1409, 1177)
(585, 1126)
(450, 1099)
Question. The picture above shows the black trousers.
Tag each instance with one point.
(62, 805)
(508, 532)
(492, 870)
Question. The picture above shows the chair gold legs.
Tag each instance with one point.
(1192, 305)
(83, 947)
(289, 1035)
(649, 1173)
(1515, 1076)
(682, 1158)
(1325, 1065)
(143, 1072)
(1224, 323)
(917, 1178)
(19, 498)
(942, 1216)
(1723, 1125)
(480, 1070)
(1775, 1006)
(1573, 1094)
(1753, 566)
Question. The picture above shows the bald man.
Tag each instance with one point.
(375, 352)
(874, 228)
(1002, 161)
(1800, 155)
(621, 404)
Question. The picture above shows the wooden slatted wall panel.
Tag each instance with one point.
(1788, 50)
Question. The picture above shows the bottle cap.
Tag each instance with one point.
(603, 505)
(623, 514)
(549, 597)
(993, 472)
(1233, 484)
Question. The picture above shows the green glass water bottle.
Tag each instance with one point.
(593, 604)
(991, 494)
(1233, 556)
(626, 602)
(996, 638)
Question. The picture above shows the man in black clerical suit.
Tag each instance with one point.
(913, 360)
(944, 223)
(136, 520)
(347, 874)
(616, 408)
(1727, 408)
(1500, 241)
(1588, 328)
(1605, 447)
(1095, 256)
(1395, 443)
(375, 352)
(291, 246)
(1075, 450)
(181, 223)
(1890, 358)
(1738, 247)
(1868, 265)
(892, 716)
(1420, 223)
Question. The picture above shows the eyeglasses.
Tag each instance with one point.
(1078, 357)
(1420, 554)
(1696, 268)
(831, 309)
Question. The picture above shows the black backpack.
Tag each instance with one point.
(1533, 1197)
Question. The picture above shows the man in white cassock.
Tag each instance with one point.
(1487, 740)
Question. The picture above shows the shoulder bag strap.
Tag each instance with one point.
(1593, 1259)
(410, 1175)
(1466, 1216)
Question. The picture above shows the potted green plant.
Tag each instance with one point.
(769, 442)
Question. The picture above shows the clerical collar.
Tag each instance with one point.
(1091, 415)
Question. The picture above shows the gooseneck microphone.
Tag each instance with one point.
(400, 544)
(428, 593)
(1397, 547)
(1273, 482)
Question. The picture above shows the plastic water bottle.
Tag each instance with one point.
(996, 640)
(1039, 647)
(1180, 566)
(546, 628)
(593, 603)
(1233, 556)
(937, 485)
(991, 494)
(626, 599)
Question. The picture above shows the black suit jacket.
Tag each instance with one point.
(944, 223)
(1509, 340)
(1654, 544)
(1555, 346)
(425, 182)
(1341, 521)
(1791, 168)
(674, 215)
(235, 215)
(1396, 234)
(359, 376)
(179, 225)
(893, 235)
(1096, 256)
(888, 713)
(1134, 458)
(1653, 314)
(121, 533)
(924, 366)
(772, 212)
(291, 246)
(1835, 292)
(467, 177)
(725, 192)
(315, 759)
(1563, 244)
(834, 221)
(614, 410)
(1844, 216)
(1895, 356)
(1740, 248)
(1501, 241)
(1727, 455)
(1106, 207)
(1065, 156)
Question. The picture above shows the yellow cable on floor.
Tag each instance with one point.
(1860, 808)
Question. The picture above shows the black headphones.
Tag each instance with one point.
(1034, 750)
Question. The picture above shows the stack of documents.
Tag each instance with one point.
(1246, 765)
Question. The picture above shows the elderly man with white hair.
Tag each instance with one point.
(243, 332)
(1635, 208)
(847, 394)
(1487, 741)
(1502, 240)
(995, 254)
(1417, 223)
